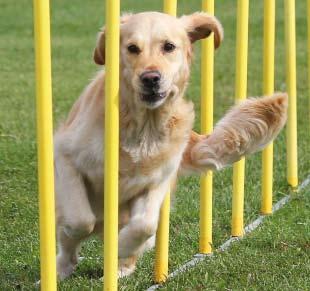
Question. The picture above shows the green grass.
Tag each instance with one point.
(274, 257)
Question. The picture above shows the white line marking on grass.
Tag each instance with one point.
(248, 229)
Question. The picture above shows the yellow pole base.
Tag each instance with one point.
(162, 243)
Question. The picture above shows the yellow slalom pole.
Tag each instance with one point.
(207, 60)
(268, 88)
(308, 24)
(45, 145)
(291, 135)
(170, 7)
(241, 91)
(162, 234)
(111, 145)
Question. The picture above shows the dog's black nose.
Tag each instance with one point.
(150, 79)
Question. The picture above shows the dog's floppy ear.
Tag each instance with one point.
(199, 25)
(99, 52)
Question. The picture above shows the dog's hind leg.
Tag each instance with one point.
(75, 219)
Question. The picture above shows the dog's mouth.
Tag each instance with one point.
(153, 98)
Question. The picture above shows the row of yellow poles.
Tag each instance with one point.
(45, 145)
(45, 141)
(207, 61)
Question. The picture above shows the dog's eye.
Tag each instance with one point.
(168, 47)
(133, 49)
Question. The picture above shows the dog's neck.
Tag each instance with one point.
(144, 132)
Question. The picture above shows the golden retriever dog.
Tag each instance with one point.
(156, 138)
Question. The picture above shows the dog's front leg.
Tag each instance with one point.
(141, 227)
(75, 219)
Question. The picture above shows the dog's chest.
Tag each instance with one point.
(139, 177)
(143, 165)
(135, 177)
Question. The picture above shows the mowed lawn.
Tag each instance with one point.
(275, 257)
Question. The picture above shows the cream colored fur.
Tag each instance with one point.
(156, 139)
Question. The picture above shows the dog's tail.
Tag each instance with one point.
(248, 127)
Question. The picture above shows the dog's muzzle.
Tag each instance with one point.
(151, 87)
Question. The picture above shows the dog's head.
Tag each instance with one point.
(156, 52)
